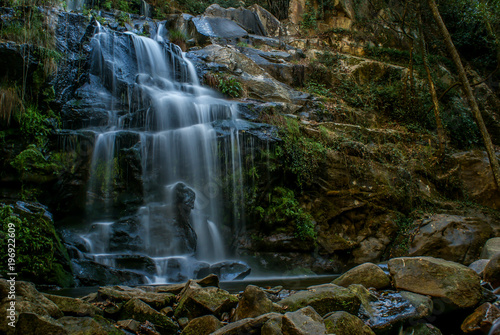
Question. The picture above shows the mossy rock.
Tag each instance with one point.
(343, 323)
(88, 326)
(74, 307)
(140, 311)
(324, 299)
(197, 301)
(40, 254)
(203, 325)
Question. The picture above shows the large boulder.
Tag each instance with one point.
(90, 273)
(491, 248)
(324, 299)
(259, 84)
(271, 24)
(197, 301)
(437, 278)
(305, 321)
(74, 307)
(492, 271)
(253, 302)
(477, 177)
(28, 300)
(203, 325)
(34, 324)
(367, 274)
(452, 237)
(245, 18)
(343, 323)
(218, 27)
(43, 258)
(140, 311)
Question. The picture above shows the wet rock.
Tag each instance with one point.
(272, 327)
(253, 302)
(491, 248)
(479, 266)
(90, 273)
(367, 274)
(47, 263)
(437, 278)
(124, 293)
(324, 299)
(217, 27)
(476, 175)
(197, 301)
(210, 280)
(129, 324)
(227, 270)
(422, 329)
(247, 326)
(33, 324)
(386, 309)
(87, 325)
(270, 23)
(305, 321)
(242, 16)
(28, 300)
(452, 237)
(274, 64)
(343, 323)
(74, 307)
(492, 271)
(481, 319)
(203, 325)
(259, 84)
(422, 303)
(185, 203)
(140, 311)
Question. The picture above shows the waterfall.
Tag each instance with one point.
(154, 101)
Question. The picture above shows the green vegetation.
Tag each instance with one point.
(229, 86)
(309, 17)
(40, 255)
(302, 156)
(282, 209)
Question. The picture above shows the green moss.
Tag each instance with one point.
(40, 255)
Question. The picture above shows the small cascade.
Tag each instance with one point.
(145, 9)
(75, 5)
(157, 110)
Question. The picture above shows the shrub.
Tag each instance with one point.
(283, 209)
(230, 87)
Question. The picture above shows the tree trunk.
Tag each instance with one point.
(468, 92)
(432, 89)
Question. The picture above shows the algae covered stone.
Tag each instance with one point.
(343, 323)
(197, 301)
(140, 311)
(203, 325)
(324, 299)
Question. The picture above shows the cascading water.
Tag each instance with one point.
(153, 97)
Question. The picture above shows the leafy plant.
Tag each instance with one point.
(230, 87)
(309, 17)
(283, 209)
